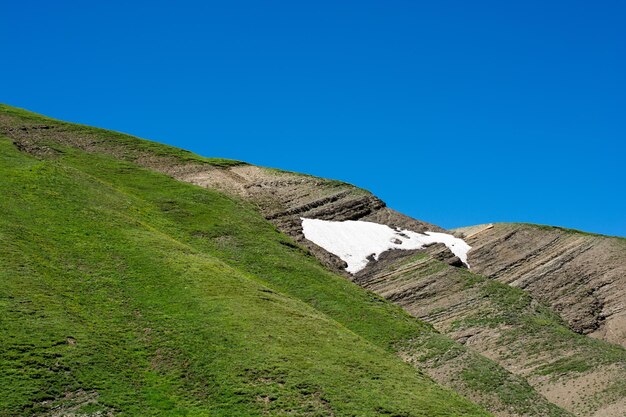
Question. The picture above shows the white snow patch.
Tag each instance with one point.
(355, 241)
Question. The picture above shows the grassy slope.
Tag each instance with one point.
(236, 234)
(102, 289)
(124, 146)
(232, 231)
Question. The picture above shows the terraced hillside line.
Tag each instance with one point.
(580, 275)
(583, 375)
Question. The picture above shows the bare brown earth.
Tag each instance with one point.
(491, 323)
(79, 403)
(583, 375)
(580, 276)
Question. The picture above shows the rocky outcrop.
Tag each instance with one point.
(504, 324)
(285, 197)
(581, 276)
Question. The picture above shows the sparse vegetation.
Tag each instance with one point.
(568, 230)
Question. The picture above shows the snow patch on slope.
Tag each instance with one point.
(355, 241)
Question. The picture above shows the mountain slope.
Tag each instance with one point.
(107, 307)
(581, 374)
(234, 232)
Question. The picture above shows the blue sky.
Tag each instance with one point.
(453, 112)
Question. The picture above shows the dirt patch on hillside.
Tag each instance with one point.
(581, 276)
(78, 403)
(503, 324)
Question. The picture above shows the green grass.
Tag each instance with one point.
(484, 375)
(124, 146)
(141, 241)
(168, 299)
(232, 230)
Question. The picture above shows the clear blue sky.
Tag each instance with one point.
(454, 112)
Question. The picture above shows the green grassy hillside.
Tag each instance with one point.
(124, 291)
(107, 305)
